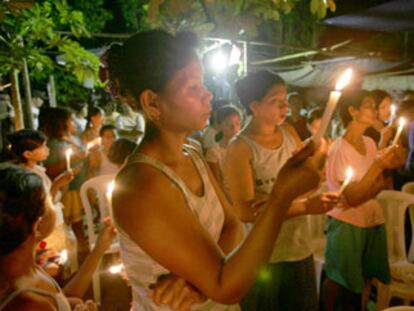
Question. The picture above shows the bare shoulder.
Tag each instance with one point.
(291, 130)
(30, 302)
(238, 148)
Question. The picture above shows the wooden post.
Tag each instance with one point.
(51, 91)
(16, 100)
(28, 115)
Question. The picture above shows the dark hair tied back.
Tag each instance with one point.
(148, 60)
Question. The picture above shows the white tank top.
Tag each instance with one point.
(59, 298)
(293, 243)
(140, 268)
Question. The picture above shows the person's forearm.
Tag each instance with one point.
(239, 271)
(359, 192)
(297, 208)
(78, 285)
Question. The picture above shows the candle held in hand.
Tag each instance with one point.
(68, 155)
(393, 113)
(348, 177)
(109, 190)
(399, 131)
(330, 106)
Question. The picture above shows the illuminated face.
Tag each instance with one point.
(70, 124)
(366, 113)
(185, 102)
(384, 109)
(39, 154)
(97, 120)
(108, 137)
(231, 125)
(273, 107)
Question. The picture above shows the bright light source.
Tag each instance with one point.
(116, 268)
(235, 55)
(219, 62)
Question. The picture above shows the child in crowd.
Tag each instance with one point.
(93, 125)
(229, 123)
(99, 155)
(60, 128)
(356, 247)
(313, 121)
(252, 165)
(180, 232)
(383, 111)
(29, 148)
(120, 150)
(24, 285)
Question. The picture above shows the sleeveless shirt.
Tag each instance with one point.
(60, 299)
(293, 243)
(141, 269)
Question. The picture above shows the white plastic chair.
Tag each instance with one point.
(317, 224)
(409, 188)
(100, 185)
(395, 204)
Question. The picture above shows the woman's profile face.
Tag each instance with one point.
(273, 107)
(384, 109)
(366, 113)
(231, 125)
(97, 120)
(185, 102)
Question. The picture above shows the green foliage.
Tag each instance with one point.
(225, 17)
(94, 15)
(33, 34)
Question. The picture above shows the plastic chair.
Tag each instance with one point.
(395, 204)
(317, 224)
(100, 185)
(409, 188)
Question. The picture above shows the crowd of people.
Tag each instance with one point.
(208, 218)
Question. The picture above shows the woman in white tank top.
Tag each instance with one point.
(176, 227)
(252, 165)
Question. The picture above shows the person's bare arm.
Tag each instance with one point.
(159, 230)
(238, 173)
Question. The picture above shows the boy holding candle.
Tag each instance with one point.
(356, 240)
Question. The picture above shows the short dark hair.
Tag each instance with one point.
(22, 202)
(54, 122)
(225, 111)
(25, 140)
(120, 150)
(379, 96)
(350, 98)
(148, 60)
(314, 114)
(107, 127)
(255, 86)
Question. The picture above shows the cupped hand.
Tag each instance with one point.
(321, 203)
(106, 235)
(175, 292)
(392, 157)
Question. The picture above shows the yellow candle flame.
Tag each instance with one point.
(116, 268)
(402, 122)
(63, 256)
(393, 110)
(349, 174)
(344, 79)
(69, 152)
(110, 188)
(89, 146)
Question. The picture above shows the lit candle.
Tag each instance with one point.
(68, 155)
(348, 177)
(393, 114)
(330, 106)
(63, 257)
(116, 268)
(399, 131)
(109, 190)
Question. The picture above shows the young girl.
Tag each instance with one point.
(175, 225)
(356, 240)
(252, 165)
(103, 166)
(93, 125)
(24, 285)
(60, 128)
(29, 148)
(229, 123)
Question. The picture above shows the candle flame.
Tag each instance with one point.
(393, 109)
(349, 174)
(89, 146)
(402, 122)
(63, 256)
(344, 79)
(69, 152)
(116, 268)
(110, 187)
